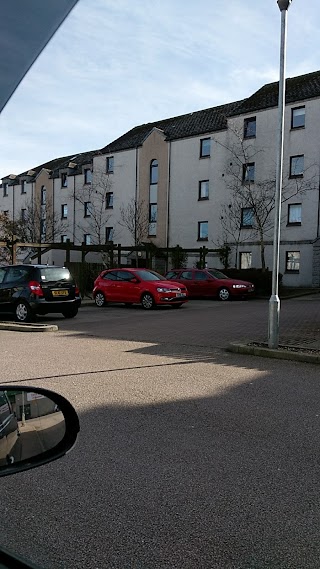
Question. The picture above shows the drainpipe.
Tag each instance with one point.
(74, 209)
(168, 194)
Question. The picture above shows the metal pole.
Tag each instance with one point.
(274, 302)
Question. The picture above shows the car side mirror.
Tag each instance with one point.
(37, 426)
(134, 280)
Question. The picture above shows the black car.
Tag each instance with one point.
(28, 290)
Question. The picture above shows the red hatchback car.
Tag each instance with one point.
(211, 282)
(138, 286)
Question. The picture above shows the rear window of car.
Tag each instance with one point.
(217, 274)
(172, 275)
(149, 276)
(54, 274)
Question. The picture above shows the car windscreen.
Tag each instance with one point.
(55, 274)
(217, 274)
(149, 276)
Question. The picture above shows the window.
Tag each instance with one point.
(23, 187)
(249, 127)
(109, 200)
(87, 209)
(64, 211)
(292, 261)
(296, 166)
(153, 210)
(187, 275)
(64, 180)
(294, 214)
(298, 116)
(154, 172)
(205, 146)
(6, 213)
(199, 276)
(5, 190)
(202, 231)
(64, 238)
(109, 165)
(247, 217)
(43, 195)
(109, 234)
(248, 173)
(87, 176)
(23, 214)
(203, 190)
(245, 260)
(87, 239)
(43, 229)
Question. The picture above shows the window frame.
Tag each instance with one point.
(87, 212)
(202, 141)
(246, 168)
(108, 206)
(247, 121)
(294, 223)
(64, 211)
(200, 197)
(292, 271)
(293, 176)
(199, 231)
(85, 173)
(246, 225)
(109, 228)
(292, 117)
(154, 172)
(64, 179)
(110, 159)
(241, 253)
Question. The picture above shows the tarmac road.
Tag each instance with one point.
(188, 456)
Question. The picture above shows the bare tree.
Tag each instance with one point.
(38, 223)
(248, 213)
(7, 232)
(135, 218)
(96, 197)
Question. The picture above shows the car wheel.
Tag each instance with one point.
(147, 301)
(23, 312)
(99, 299)
(224, 294)
(70, 313)
(178, 305)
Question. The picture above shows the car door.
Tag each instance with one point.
(201, 284)
(185, 278)
(14, 281)
(126, 289)
(108, 285)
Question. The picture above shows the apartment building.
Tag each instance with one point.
(205, 178)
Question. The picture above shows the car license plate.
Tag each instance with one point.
(180, 294)
(60, 293)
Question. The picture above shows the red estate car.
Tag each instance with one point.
(135, 286)
(211, 282)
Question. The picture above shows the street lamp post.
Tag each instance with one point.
(274, 302)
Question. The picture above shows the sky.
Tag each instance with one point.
(115, 65)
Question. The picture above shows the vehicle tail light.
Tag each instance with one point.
(77, 291)
(35, 287)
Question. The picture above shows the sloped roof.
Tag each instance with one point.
(297, 89)
(197, 123)
(215, 119)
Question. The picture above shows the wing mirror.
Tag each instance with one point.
(37, 426)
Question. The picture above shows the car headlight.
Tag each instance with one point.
(164, 289)
(239, 286)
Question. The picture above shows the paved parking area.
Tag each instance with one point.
(204, 323)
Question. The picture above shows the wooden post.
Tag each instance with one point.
(119, 255)
(67, 252)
